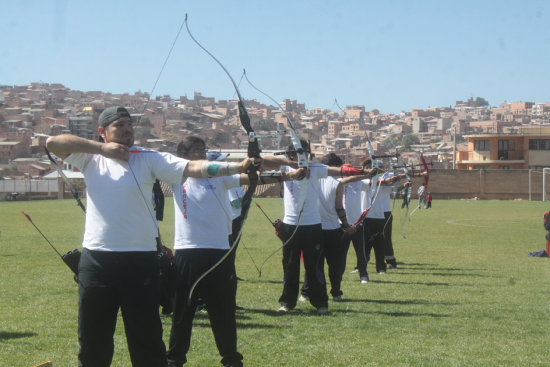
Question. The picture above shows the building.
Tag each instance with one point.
(82, 126)
(527, 150)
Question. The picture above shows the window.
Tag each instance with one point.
(505, 167)
(506, 145)
(481, 145)
(539, 144)
(503, 149)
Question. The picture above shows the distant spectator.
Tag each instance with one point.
(421, 196)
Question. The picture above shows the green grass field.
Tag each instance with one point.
(465, 293)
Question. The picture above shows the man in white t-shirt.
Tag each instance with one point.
(335, 226)
(421, 196)
(118, 268)
(354, 194)
(375, 224)
(203, 225)
(379, 189)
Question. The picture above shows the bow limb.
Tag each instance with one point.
(302, 162)
(294, 137)
(338, 105)
(375, 164)
(253, 152)
(407, 198)
(427, 177)
(394, 191)
(394, 186)
(407, 192)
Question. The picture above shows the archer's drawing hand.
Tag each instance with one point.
(115, 151)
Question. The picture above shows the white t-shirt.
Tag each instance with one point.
(327, 203)
(384, 197)
(294, 192)
(365, 194)
(120, 214)
(353, 199)
(203, 212)
(376, 202)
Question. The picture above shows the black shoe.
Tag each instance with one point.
(392, 264)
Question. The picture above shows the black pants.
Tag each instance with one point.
(129, 281)
(335, 250)
(388, 244)
(374, 238)
(217, 291)
(309, 241)
(358, 240)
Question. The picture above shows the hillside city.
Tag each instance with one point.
(31, 113)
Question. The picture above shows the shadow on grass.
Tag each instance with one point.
(436, 268)
(407, 314)
(260, 280)
(403, 302)
(449, 274)
(282, 318)
(417, 283)
(6, 335)
(266, 312)
(240, 325)
(242, 314)
(417, 266)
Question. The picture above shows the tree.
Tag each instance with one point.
(481, 102)
(144, 121)
(409, 140)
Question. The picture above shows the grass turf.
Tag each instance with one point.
(465, 293)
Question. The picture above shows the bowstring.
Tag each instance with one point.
(153, 218)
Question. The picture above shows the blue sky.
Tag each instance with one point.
(389, 55)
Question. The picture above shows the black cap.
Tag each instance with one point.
(111, 114)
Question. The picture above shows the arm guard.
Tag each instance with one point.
(350, 171)
(216, 169)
